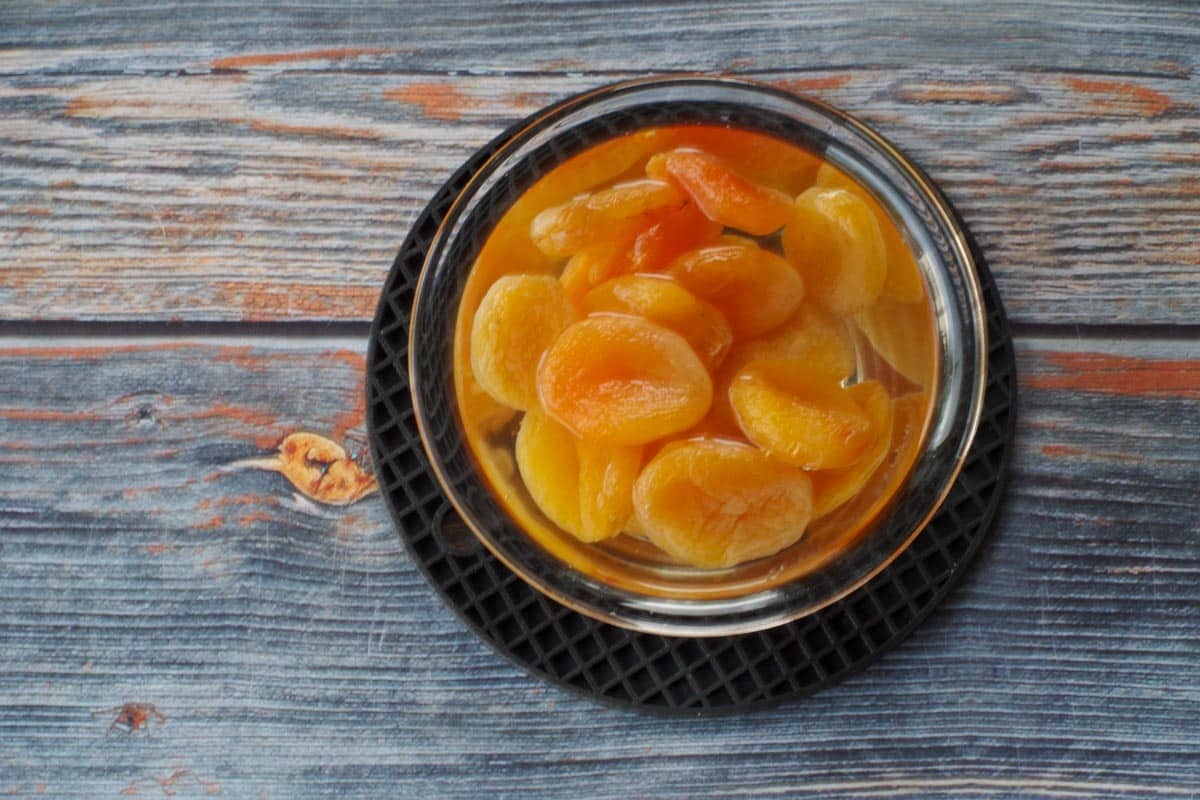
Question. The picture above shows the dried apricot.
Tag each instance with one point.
(549, 466)
(903, 334)
(799, 414)
(670, 237)
(835, 243)
(517, 320)
(603, 215)
(811, 335)
(834, 487)
(660, 299)
(757, 156)
(584, 172)
(723, 195)
(623, 380)
(903, 281)
(606, 476)
(755, 289)
(595, 264)
(714, 504)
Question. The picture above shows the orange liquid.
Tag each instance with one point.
(807, 354)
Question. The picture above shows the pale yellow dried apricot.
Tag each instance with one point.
(834, 487)
(799, 414)
(660, 299)
(623, 380)
(606, 476)
(753, 288)
(519, 317)
(603, 215)
(903, 282)
(811, 335)
(903, 334)
(714, 504)
(835, 243)
(549, 466)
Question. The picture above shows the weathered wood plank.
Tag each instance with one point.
(284, 195)
(512, 35)
(295, 652)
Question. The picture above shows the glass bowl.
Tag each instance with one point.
(626, 582)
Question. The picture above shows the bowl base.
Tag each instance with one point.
(653, 672)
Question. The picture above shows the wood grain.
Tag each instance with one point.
(185, 166)
(280, 189)
(295, 651)
(511, 35)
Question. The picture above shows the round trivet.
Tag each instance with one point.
(648, 671)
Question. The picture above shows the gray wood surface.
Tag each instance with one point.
(276, 184)
(295, 651)
(198, 204)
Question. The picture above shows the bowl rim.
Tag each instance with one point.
(509, 142)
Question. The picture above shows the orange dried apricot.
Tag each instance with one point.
(757, 156)
(595, 264)
(586, 171)
(606, 476)
(670, 237)
(903, 334)
(582, 487)
(799, 414)
(755, 289)
(811, 335)
(660, 299)
(714, 504)
(722, 194)
(603, 215)
(834, 487)
(549, 466)
(903, 281)
(623, 380)
(517, 320)
(835, 243)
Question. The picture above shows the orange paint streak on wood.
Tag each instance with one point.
(243, 500)
(814, 84)
(253, 517)
(156, 549)
(211, 523)
(436, 100)
(351, 418)
(48, 415)
(88, 353)
(260, 302)
(239, 413)
(324, 131)
(1131, 137)
(1062, 450)
(272, 59)
(243, 357)
(83, 106)
(1116, 95)
(978, 93)
(1120, 375)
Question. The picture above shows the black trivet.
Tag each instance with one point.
(648, 671)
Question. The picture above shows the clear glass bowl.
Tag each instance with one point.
(628, 584)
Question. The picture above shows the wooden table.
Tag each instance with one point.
(199, 205)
